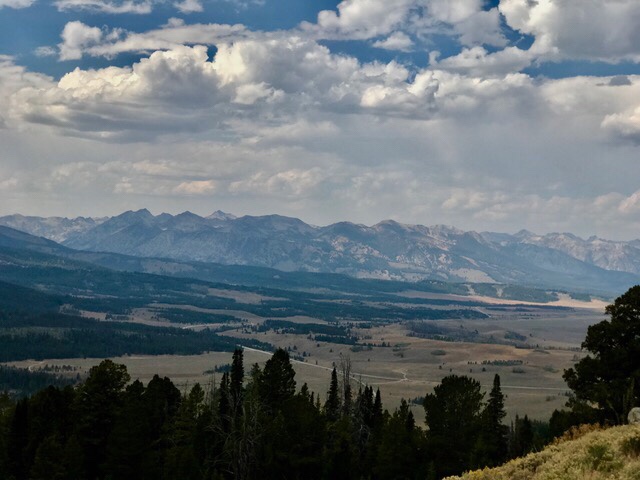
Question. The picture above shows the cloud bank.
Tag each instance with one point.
(213, 115)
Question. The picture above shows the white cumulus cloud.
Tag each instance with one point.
(189, 6)
(477, 61)
(76, 37)
(174, 34)
(607, 31)
(17, 4)
(624, 124)
(396, 41)
(196, 187)
(367, 19)
(361, 19)
(106, 6)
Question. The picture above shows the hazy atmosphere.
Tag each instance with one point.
(485, 115)
(319, 239)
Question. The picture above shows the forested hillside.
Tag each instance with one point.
(258, 424)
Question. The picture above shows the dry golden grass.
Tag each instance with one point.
(587, 453)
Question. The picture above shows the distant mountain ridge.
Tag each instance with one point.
(387, 250)
(57, 229)
(607, 254)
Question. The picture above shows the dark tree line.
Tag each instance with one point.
(251, 424)
(25, 335)
(606, 383)
(20, 382)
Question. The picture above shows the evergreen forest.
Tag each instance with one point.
(251, 424)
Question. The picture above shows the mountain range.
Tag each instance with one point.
(387, 250)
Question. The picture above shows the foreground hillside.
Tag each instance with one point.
(613, 453)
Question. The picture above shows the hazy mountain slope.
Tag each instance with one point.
(26, 251)
(12, 238)
(53, 228)
(606, 254)
(613, 453)
(30, 261)
(388, 250)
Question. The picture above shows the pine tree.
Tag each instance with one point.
(253, 382)
(364, 406)
(18, 440)
(98, 402)
(277, 383)
(345, 384)
(181, 455)
(224, 404)
(47, 464)
(493, 447)
(304, 393)
(521, 437)
(237, 377)
(608, 379)
(526, 435)
(396, 454)
(131, 438)
(454, 416)
(377, 410)
(332, 405)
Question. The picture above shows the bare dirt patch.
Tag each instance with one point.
(564, 300)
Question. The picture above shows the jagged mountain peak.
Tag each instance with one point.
(163, 217)
(446, 230)
(524, 234)
(274, 222)
(220, 215)
(392, 223)
(188, 214)
(345, 228)
(130, 217)
(141, 213)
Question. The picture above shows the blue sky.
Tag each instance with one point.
(488, 115)
(23, 30)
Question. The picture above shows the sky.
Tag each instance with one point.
(493, 115)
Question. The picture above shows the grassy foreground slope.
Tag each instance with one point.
(612, 454)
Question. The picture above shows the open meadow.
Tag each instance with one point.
(390, 355)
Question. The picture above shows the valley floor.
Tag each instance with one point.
(410, 366)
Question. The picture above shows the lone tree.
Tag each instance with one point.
(609, 377)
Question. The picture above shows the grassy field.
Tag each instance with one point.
(612, 454)
(410, 366)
